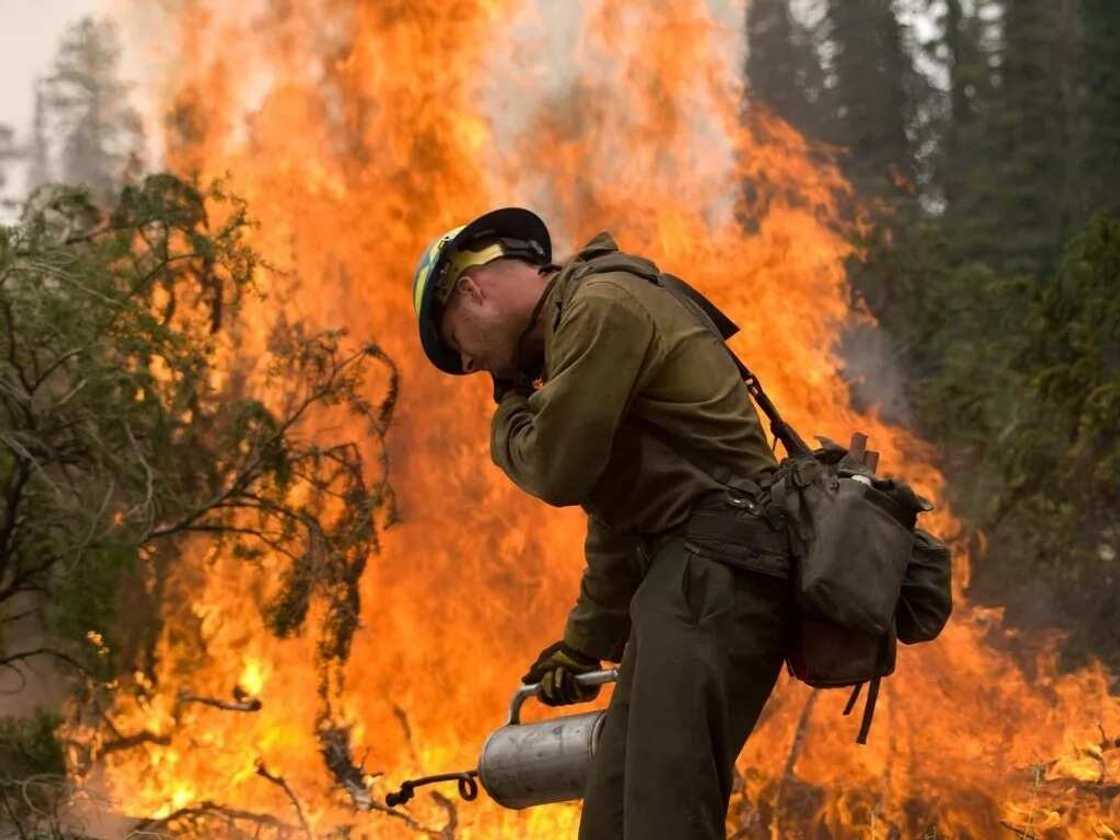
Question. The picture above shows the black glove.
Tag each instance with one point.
(501, 388)
(556, 669)
(505, 386)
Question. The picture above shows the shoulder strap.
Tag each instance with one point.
(608, 258)
(723, 327)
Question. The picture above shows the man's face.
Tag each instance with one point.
(477, 325)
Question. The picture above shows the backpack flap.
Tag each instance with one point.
(851, 570)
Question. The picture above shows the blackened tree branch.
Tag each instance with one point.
(280, 782)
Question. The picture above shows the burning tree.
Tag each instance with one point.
(123, 436)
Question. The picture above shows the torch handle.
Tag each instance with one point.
(534, 689)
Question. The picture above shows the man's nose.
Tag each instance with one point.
(467, 362)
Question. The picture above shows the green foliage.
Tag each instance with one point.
(982, 152)
(1028, 371)
(782, 67)
(1023, 202)
(1022, 390)
(33, 787)
(1070, 361)
(287, 610)
(28, 747)
(118, 436)
(85, 603)
(871, 96)
(1098, 123)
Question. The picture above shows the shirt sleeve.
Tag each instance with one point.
(599, 623)
(555, 442)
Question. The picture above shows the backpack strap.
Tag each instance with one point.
(723, 327)
(852, 698)
(868, 706)
(605, 258)
(868, 710)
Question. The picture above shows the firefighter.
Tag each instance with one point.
(615, 393)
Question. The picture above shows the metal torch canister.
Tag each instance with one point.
(526, 764)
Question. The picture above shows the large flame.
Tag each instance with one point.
(359, 130)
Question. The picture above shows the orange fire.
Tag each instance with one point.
(359, 130)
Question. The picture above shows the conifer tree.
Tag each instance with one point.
(1020, 212)
(87, 105)
(8, 152)
(39, 169)
(783, 70)
(869, 103)
(1098, 167)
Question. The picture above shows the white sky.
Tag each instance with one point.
(29, 34)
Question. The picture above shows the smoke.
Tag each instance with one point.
(876, 379)
(557, 73)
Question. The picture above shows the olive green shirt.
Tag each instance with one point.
(622, 355)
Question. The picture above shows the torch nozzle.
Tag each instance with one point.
(468, 787)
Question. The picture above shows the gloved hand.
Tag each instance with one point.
(556, 669)
(505, 386)
(501, 388)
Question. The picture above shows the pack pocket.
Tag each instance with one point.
(851, 573)
(926, 601)
(826, 655)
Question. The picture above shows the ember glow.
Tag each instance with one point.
(359, 130)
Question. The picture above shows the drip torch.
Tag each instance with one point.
(526, 764)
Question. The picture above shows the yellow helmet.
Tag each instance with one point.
(509, 232)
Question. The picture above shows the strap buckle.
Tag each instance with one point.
(736, 499)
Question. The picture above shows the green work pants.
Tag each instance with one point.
(706, 644)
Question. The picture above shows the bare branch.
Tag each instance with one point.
(13, 658)
(22, 681)
(55, 365)
(90, 235)
(128, 742)
(11, 619)
(13, 355)
(407, 819)
(448, 832)
(149, 473)
(12, 499)
(241, 702)
(12, 815)
(402, 718)
(283, 785)
(209, 808)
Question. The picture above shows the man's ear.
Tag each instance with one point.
(470, 286)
